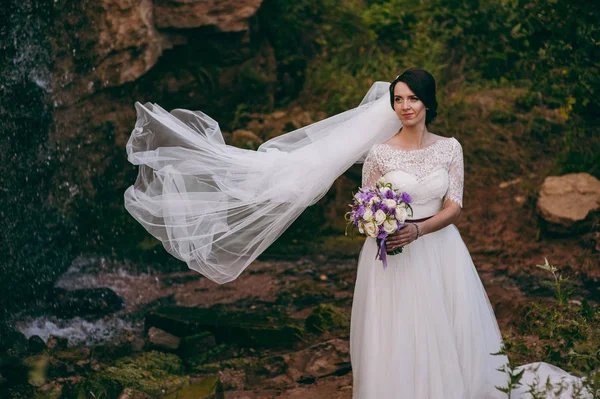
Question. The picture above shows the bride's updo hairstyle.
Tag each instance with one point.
(422, 84)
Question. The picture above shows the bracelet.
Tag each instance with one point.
(418, 231)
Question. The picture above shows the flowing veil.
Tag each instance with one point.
(218, 207)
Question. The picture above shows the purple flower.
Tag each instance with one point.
(382, 234)
(360, 211)
(406, 198)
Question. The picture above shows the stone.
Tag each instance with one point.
(305, 366)
(36, 344)
(206, 388)
(566, 203)
(86, 303)
(198, 343)
(160, 339)
(224, 15)
(245, 329)
(327, 318)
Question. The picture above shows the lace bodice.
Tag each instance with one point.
(430, 175)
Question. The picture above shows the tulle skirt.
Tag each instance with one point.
(424, 327)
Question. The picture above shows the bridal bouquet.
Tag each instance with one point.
(378, 212)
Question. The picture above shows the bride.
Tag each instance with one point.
(421, 329)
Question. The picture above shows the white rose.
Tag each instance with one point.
(401, 214)
(381, 180)
(385, 189)
(390, 203)
(371, 229)
(368, 215)
(361, 227)
(390, 226)
(380, 217)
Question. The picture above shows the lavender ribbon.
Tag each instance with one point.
(382, 254)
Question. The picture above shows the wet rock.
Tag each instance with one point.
(36, 344)
(241, 328)
(328, 318)
(207, 388)
(567, 203)
(196, 344)
(153, 373)
(86, 303)
(162, 340)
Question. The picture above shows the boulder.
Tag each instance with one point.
(162, 340)
(567, 204)
(229, 327)
(206, 388)
(89, 304)
(224, 15)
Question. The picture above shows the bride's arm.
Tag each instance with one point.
(453, 197)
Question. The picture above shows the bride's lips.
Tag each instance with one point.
(407, 115)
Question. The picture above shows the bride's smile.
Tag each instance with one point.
(409, 108)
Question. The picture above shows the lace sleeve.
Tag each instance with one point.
(456, 176)
(371, 171)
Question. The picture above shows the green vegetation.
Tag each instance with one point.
(153, 373)
(545, 49)
(565, 333)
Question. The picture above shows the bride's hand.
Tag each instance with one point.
(403, 236)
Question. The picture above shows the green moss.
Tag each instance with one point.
(153, 373)
(327, 318)
(38, 369)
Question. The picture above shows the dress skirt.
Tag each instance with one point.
(424, 327)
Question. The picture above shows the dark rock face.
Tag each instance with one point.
(240, 328)
(70, 73)
(87, 303)
(35, 237)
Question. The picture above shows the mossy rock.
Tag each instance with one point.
(207, 388)
(327, 318)
(154, 373)
(229, 327)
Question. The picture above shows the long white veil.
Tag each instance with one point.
(218, 207)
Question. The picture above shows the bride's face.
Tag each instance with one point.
(409, 108)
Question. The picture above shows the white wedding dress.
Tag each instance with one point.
(424, 328)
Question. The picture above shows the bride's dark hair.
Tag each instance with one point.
(422, 84)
